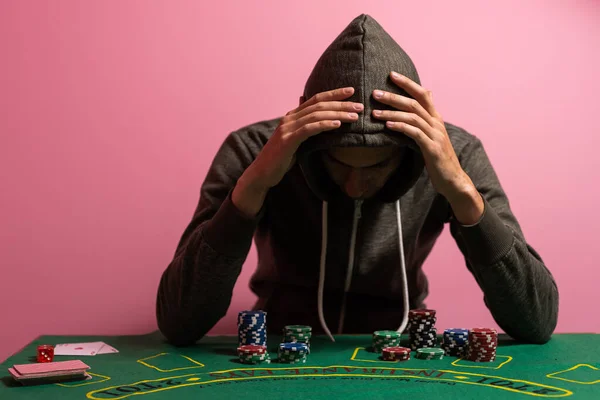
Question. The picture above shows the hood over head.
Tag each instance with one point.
(362, 56)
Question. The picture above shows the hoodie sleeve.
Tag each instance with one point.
(195, 290)
(518, 288)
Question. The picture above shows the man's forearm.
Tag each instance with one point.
(248, 196)
(518, 289)
(467, 206)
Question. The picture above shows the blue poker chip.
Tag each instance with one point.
(457, 331)
(252, 321)
(455, 338)
(299, 347)
(252, 313)
(252, 327)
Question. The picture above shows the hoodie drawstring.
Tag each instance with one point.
(322, 271)
(351, 267)
(405, 304)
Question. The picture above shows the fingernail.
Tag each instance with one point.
(358, 106)
(377, 112)
(378, 93)
(353, 115)
(395, 74)
(390, 123)
(348, 90)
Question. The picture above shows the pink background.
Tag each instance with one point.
(110, 113)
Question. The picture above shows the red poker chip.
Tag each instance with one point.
(252, 349)
(484, 351)
(483, 334)
(405, 358)
(482, 339)
(388, 357)
(396, 350)
(481, 356)
(421, 312)
(484, 330)
(483, 344)
(471, 340)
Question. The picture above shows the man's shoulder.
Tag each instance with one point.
(459, 137)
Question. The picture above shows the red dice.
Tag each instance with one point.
(45, 353)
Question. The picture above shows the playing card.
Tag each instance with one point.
(21, 377)
(51, 367)
(55, 379)
(78, 349)
(106, 349)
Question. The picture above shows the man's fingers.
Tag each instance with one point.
(324, 111)
(347, 106)
(330, 95)
(317, 116)
(314, 128)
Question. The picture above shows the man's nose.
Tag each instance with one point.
(356, 184)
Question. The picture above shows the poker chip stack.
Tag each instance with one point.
(297, 334)
(421, 328)
(395, 353)
(482, 344)
(383, 339)
(292, 353)
(252, 328)
(430, 353)
(455, 342)
(253, 354)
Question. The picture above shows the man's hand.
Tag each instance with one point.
(322, 112)
(420, 120)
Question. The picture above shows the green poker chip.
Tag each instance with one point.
(430, 353)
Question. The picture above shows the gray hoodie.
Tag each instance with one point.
(340, 265)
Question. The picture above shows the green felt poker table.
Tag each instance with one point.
(148, 368)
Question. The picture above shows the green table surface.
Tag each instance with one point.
(148, 368)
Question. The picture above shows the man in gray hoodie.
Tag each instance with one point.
(345, 197)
